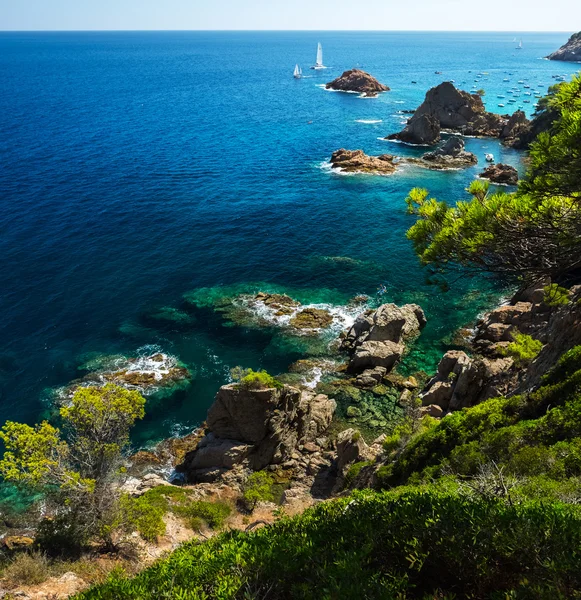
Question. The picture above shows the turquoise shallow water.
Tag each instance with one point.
(139, 166)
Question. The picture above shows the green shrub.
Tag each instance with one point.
(407, 544)
(214, 514)
(259, 487)
(555, 295)
(145, 515)
(353, 472)
(523, 349)
(254, 380)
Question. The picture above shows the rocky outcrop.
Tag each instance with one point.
(463, 381)
(359, 81)
(450, 156)
(446, 107)
(517, 126)
(571, 51)
(257, 428)
(500, 173)
(356, 161)
(377, 337)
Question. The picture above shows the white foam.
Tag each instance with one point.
(369, 121)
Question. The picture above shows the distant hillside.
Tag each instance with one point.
(571, 51)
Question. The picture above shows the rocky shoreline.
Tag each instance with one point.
(570, 51)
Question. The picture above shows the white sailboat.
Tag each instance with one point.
(519, 47)
(298, 72)
(319, 64)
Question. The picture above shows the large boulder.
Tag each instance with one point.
(501, 174)
(423, 130)
(571, 51)
(376, 338)
(356, 161)
(257, 428)
(351, 448)
(359, 81)
(516, 126)
(373, 354)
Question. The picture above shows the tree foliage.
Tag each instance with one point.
(78, 466)
(529, 234)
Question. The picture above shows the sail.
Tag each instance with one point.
(297, 71)
(319, 62)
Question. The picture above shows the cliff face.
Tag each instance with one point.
(571, 51)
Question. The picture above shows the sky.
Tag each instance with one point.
(446, 15)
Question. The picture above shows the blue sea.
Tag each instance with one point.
(139, 166)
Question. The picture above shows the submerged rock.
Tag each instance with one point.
(311, 318)
(148, 373)
(501, 173)
(356, 161)
(571, 51)
(359, 81)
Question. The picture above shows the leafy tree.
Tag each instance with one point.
(259, 488)
(533, 233)
(78, 467)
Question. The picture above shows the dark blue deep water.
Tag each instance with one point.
(136, 167)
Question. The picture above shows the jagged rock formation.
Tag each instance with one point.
(500, 173)
(445, 107)
(311, 318)
(257, 428)
(450, 156)
(356, 161)
(571, 51)
(377, 337)
(463, 381)
(359, 81)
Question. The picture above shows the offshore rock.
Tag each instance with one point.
(446, 107)
(571, 51)
(500, 173)
(356, 80)
(257, 428)
(450, 156)
(356, 161)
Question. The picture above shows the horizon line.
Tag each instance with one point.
(285, 30)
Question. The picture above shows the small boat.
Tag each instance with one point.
(298, 72)
(489, 157)
(521, 81)
(501, 105)
(319, 64)
(527, 101)
(437, 72)
(519, 47)
(506, 79)
(501, 96)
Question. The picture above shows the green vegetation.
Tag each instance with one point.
(254, 380)
(404, 544)
(555, 295)
(523, 349)
(259, 487)
(79, 468)
(145, 513)
(533, 233)
(481, 92)
(535, 439)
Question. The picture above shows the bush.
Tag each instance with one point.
(555, 295)
(523, 349)
(353, 472)
(27, 569)
(214, 514)
(259, 487)
(402, 544)
(254, 380)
